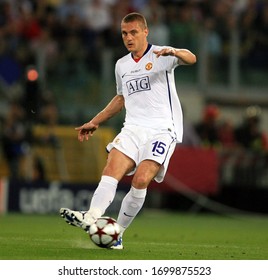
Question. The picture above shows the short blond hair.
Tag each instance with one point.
(135, 17)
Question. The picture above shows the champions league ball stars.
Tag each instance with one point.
(153, 125)
(104, 232)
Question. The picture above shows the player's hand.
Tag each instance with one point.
(165, 52)
(86, 130)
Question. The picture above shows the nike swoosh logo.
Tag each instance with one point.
(128, 215)
(124, 75)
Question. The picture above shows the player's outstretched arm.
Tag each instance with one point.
(185, 56)
(87, 129)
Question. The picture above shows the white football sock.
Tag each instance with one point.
(103, 196)
(130, 207)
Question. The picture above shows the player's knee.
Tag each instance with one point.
(113, 171)
(140, 181)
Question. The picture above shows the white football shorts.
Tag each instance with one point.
(140, 143)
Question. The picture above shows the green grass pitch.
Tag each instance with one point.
(154, 235)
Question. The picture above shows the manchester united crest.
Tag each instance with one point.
(149, 66)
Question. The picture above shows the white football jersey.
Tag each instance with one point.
(148, 87)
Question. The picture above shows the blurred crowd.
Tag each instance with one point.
(63, 38)
(216, 131)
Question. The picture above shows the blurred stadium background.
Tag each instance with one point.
(57, 71)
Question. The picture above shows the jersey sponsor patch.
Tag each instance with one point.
(138, 84)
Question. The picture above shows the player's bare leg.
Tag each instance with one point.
(134, 199)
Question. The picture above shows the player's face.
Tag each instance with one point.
(134, 37)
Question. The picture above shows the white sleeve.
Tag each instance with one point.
(118, 80)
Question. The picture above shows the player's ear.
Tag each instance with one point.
(146, 30)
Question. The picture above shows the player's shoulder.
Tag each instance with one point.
(157, 47)
(124, 59)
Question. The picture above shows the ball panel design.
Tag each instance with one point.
(104, 232)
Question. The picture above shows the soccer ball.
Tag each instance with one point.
(104, 232)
